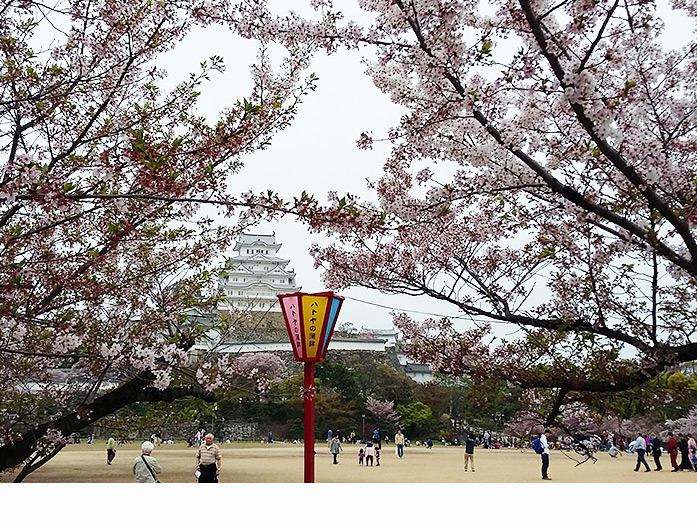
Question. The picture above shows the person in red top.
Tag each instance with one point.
(672, 449)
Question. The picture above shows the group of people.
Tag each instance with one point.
(146, 467)
(197, 439)
(371, 451)
(686, 447)
(644, 445)
(209, 457)
(368, 453)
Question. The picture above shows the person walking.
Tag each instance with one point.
(684, 453)
(640, 449)
(376, 438)
(399, 442)
(672, 449)
(692, 450)
(469, 451)
(369, 453)
(545, 453)
(110, 449)
(335, 448)
(208, 461)
(656, 444)
(145, 466)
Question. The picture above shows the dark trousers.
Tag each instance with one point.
(110, 455)
(208, 473)
(545, 464)
(641, 459)
(335, 454)
(369, 459)
(685, 461)
(657, 460)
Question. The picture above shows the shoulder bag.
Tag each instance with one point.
(151, 472)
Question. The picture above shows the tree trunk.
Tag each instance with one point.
(33, 465)
(13, 454)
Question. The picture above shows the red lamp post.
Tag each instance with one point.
(310, 320)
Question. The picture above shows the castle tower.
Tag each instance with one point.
(256, 275)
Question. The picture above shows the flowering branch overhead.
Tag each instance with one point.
(543, 177)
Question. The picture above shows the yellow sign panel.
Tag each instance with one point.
(314, 310)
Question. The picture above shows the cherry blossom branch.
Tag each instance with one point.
(107, 100)
(616, 159)
(598, 38)
(567, 192)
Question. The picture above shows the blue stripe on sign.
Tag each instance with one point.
(331, 320)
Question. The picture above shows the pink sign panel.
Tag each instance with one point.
(290, 306)
(310, 320)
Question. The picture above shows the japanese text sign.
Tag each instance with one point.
(310, 320)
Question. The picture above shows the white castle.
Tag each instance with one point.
(253, 279)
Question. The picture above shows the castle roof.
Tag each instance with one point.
(246, 240)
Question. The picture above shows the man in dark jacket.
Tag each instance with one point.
(656, 451)
(469, 451)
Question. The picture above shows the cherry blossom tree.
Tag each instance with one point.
(686, 424)
(262, 368)
(104, 179)
(382, 411)
(542, 176)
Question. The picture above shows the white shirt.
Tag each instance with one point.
(545, 445)
(640, 443)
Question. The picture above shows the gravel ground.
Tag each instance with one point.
(283, 463)
(262, 482)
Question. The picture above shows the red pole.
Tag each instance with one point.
(309, 404)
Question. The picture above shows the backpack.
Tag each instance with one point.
(537, 446)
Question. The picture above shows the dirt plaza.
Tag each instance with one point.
(254, 462)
